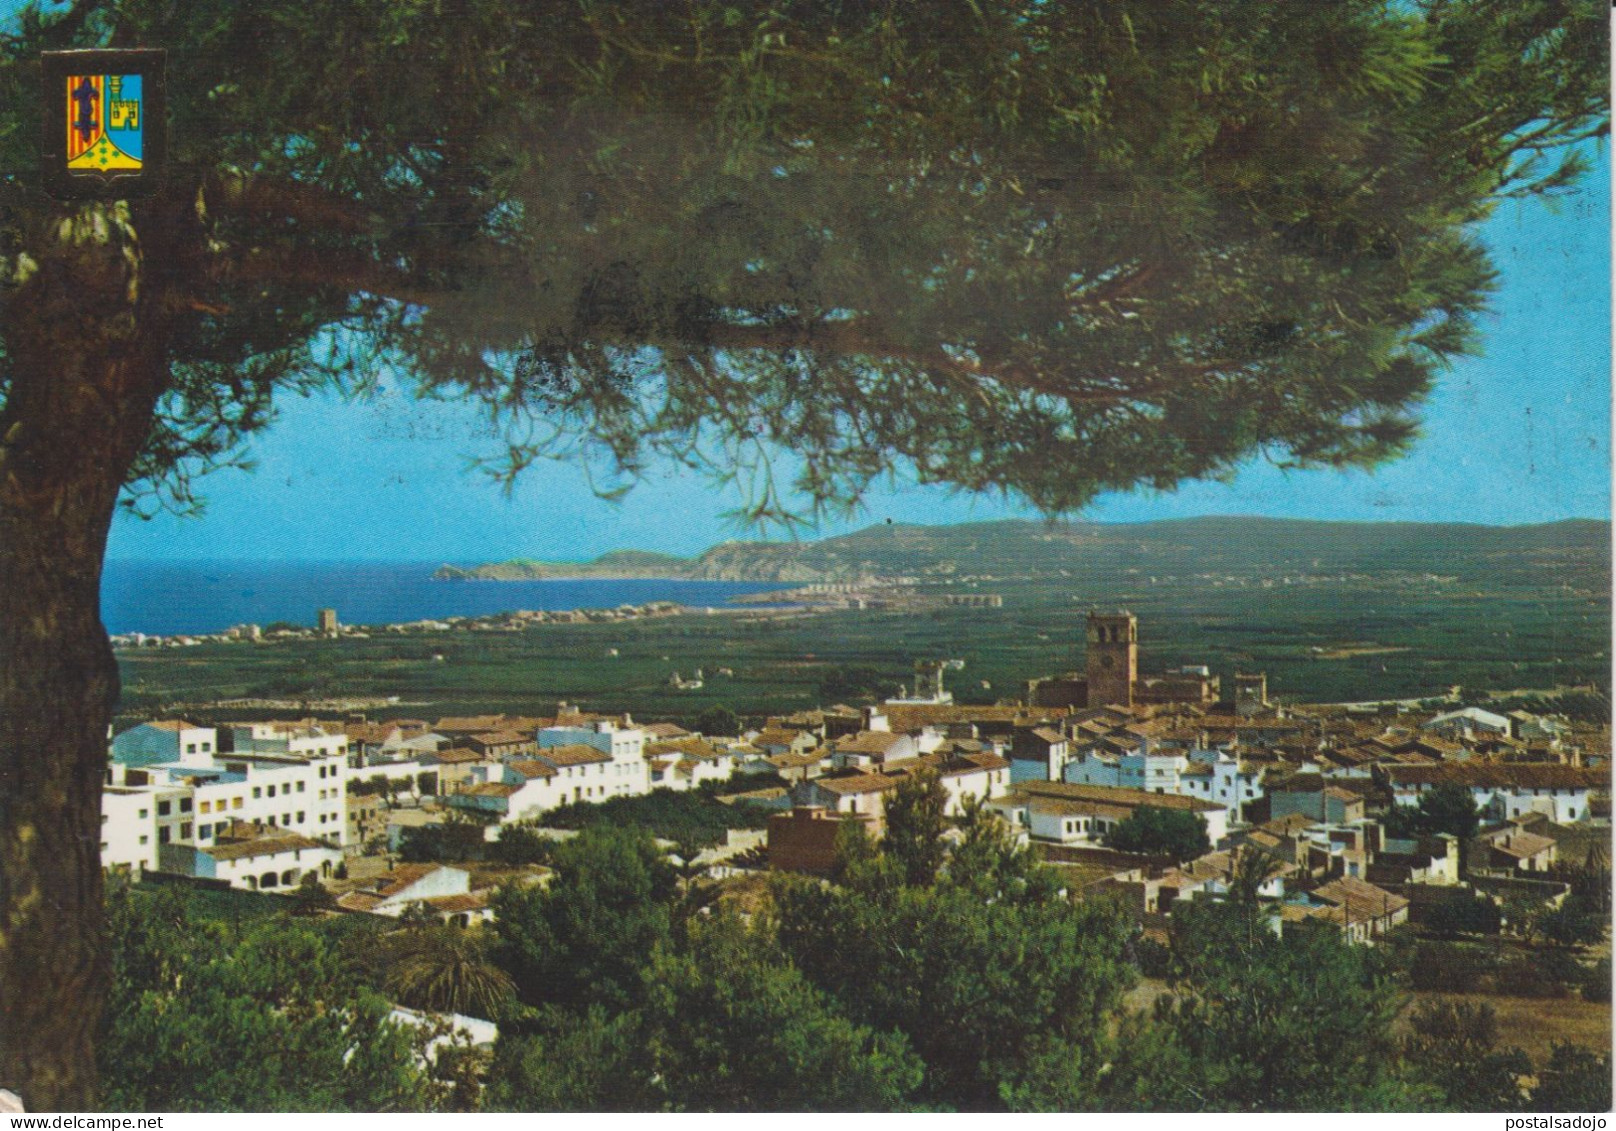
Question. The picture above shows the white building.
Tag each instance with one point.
(1224, 780)
(262, 863)
(1146, 768)
(165, 740)
(196, 795)
(1505, 790)
(628, 774)
(685, 763)
(128, 829)
(297, 740)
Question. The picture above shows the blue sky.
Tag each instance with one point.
(1518, 435)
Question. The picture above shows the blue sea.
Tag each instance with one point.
(165, 598)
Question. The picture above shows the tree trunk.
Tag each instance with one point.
(84, 354)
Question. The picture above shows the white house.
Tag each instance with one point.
(1101, 806)
(128, 829)
(393, 892)
(1224, 780)
(519, 790)
(624, 745)
(165, 740)
(297, 739)
(1469, 722)
(685, 763)
(585, 772)
(196, 795)
(1038, 754)
(261, 863)
(1145, 767)
(1504, 790)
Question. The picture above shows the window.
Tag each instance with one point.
(185, 831)
(190, 748)
(207, 748)
(143, 838)
(272, 791)
(162, 835)
(258, 791)
(300, 786)
(144, 813)
(204, 807)
(163, 808)
(300, 817)
(286, 818)
(203, 832)
(236, 803)
(185, 805)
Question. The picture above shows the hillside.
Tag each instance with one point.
(1576, 550)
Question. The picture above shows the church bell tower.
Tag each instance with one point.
(1113, 658)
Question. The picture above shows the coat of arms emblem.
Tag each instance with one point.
(103, 123)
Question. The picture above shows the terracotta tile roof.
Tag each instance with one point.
(689, 747)
(573, 754)
(457, 755)
(857, 783)
(264, 846)
(1359, 900)
(391, 883)
(171, 725)
(1064, 807)
(1523, 845)
(1498, 775)
(665, 730)
(868, 742)
(499, 738)
(795, 761)
(358, 900)
(530, 769)
(912, 717)
(450, 904)
(1114, 795)
(493, 789)
(1288, 825)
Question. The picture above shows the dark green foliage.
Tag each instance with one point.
(990, 862)
(915, 823)
(519, 845)
(1448, 968)
(854, 684)
(587, 1061)
(875, 236)
(1575, 922)
(694, 815)
(1446, 808)
(1575, 1079)
(717, 720)
(1454, 1046)
(312, 896)
(1590, 885)
(444, 969)
(1470, 915)
(739, 1028)
(1596, 982)
(1167, 832)
(584, 938)
(1264, 1023)
(267, 1015)
(445, 843)
(1009, 987)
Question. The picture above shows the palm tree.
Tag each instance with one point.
(446, 970)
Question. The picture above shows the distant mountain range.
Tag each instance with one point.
(1580, 548)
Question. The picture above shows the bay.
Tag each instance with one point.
(168, 598)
